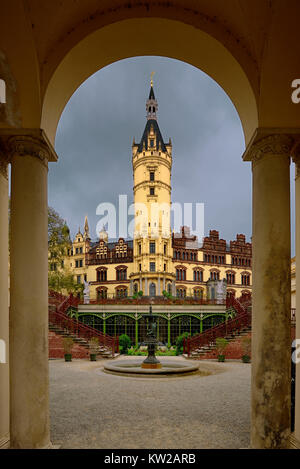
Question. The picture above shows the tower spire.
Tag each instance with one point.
(152, 138)
(86, 233)
(151, 104)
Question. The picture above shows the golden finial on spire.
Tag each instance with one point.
(151, 81)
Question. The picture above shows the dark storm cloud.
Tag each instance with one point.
(97, 127)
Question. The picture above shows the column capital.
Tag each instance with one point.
(271, 141)
(22, 142)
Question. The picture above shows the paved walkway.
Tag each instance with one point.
(92, 409)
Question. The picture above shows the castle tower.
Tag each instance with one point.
(152, 165)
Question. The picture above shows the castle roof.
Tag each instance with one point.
(158, 137)
(152, 128)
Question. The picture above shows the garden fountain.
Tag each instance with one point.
(151, 365)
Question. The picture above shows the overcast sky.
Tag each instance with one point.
(97, 127)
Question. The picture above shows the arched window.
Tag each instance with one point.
(181, 292)
(230, 277)
(245, 279)
(101, 293)
(102, 274)
(198, 275)
(198, 293)
(215, 275)
(181, 273)
(121, 292)
(121, 273)
(152, 289)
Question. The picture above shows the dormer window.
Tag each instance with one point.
(151, 142)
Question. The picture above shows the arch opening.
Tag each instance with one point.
(101, 48)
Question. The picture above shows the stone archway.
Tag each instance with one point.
(88, 56)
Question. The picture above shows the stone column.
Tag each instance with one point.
(131, 288)
(296, 159)
(164, 282)
(29, 402)
(158, 286)
(146, 287)
(271, 330)
(4, 288)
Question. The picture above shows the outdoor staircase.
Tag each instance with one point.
(61, 324)
(203, 351)
(101, 351)
(202, 345)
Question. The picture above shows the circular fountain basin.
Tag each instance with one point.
(168, 367)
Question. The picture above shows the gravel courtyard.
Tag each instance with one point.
(93, 409)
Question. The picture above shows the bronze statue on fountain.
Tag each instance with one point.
(151, 360)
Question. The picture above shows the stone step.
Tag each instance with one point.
(102, 350)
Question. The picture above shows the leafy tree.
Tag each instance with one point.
(59, 277)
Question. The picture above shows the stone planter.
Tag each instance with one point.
(68, 357)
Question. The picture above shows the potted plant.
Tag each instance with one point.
(124, 343)
(93, 347)
(68, 345)
(246, 347)
(221, 345)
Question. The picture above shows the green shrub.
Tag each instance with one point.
(124, 343)
(221, 345)
(140, 293)
(167, 295)
(179, 342)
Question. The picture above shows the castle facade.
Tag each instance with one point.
(157, 262)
